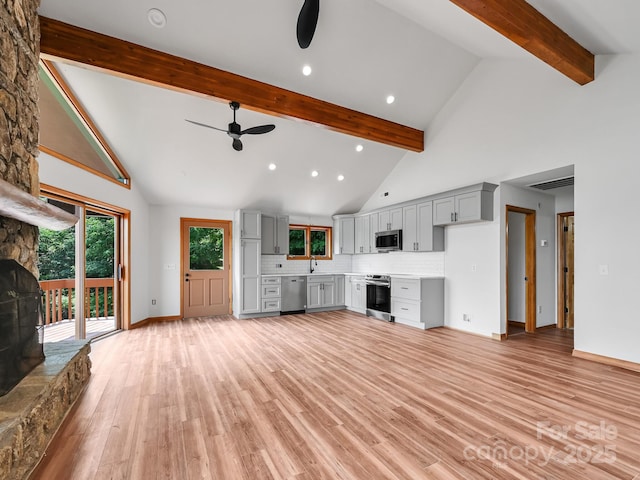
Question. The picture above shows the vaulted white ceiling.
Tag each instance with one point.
(420, 51)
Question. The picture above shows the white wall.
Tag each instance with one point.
(564, 199)
(62, 175)
(516, 117)
(164, 254)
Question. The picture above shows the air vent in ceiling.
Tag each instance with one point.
(551, 184)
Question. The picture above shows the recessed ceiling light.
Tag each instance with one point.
(391, 99)
(314, 173)
(306, 70)
(272, 166)
(340, 178)
(157, 18)
(359, 148)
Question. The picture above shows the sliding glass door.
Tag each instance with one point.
(80, 273)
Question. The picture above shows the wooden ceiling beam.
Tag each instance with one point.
(526, 26)
(71, 44)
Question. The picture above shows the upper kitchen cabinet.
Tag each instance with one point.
(390, 219)
(373, 229)
(275, 234)
(362, 234)
(418, 232)
(465, 207)
(250, 224)
(344, 234)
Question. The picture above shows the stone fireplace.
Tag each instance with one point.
(21, 329)
(32, 407)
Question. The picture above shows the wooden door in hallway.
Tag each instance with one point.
(205, 267)
(566, 234)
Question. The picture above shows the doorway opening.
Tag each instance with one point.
(566, 233)
(92, 258)
(521, 269)
(205, 266)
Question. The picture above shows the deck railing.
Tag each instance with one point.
(60, 298)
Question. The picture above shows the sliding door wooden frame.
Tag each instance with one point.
(530, 264)
(562, 256)
(124, 233)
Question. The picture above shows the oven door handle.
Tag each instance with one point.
(378, 284)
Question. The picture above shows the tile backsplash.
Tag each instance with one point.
(427, 263)
(339, 264)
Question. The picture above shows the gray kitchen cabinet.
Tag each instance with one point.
(463, 208)
(362, 234)
(418, 232)
(358, 295)
(321, 291)
(250, 276)
(344, 234)
(347, 291)
(246, 263)
(390, 219)
(275, 234)
(250, 224)
(339, 290)
(418, 302)
(271, 294)
(373, 229)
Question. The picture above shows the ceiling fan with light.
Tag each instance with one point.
(307, 21)
(235, 130)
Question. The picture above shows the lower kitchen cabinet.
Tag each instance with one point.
(250, 276)
(356, 289)
(271, 294)
(321, 291)
(339, 300)
(418, 302)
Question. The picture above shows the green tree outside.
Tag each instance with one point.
(206, 248)
(56, 258)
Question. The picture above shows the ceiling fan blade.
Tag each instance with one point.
(307, 21)
(258, 130)
(237, 145)
(206, 126)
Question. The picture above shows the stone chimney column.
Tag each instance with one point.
(19, 55)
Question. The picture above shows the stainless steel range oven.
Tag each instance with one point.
(379, 297)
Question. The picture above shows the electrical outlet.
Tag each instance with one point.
(153, 302)
(539, 308)
(474, 267)
(466, 318)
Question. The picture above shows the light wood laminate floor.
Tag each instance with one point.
(340, 396)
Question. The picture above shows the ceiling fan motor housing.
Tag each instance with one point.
(234, 130)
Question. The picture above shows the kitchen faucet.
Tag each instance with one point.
(312, 260)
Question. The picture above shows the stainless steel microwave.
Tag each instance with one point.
(389, 241)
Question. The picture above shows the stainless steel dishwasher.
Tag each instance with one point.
(294, 294)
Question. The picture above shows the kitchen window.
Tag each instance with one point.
(306, 241)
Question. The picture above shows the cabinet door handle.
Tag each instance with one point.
(402, 308)
(452, 216)
(455, 215)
